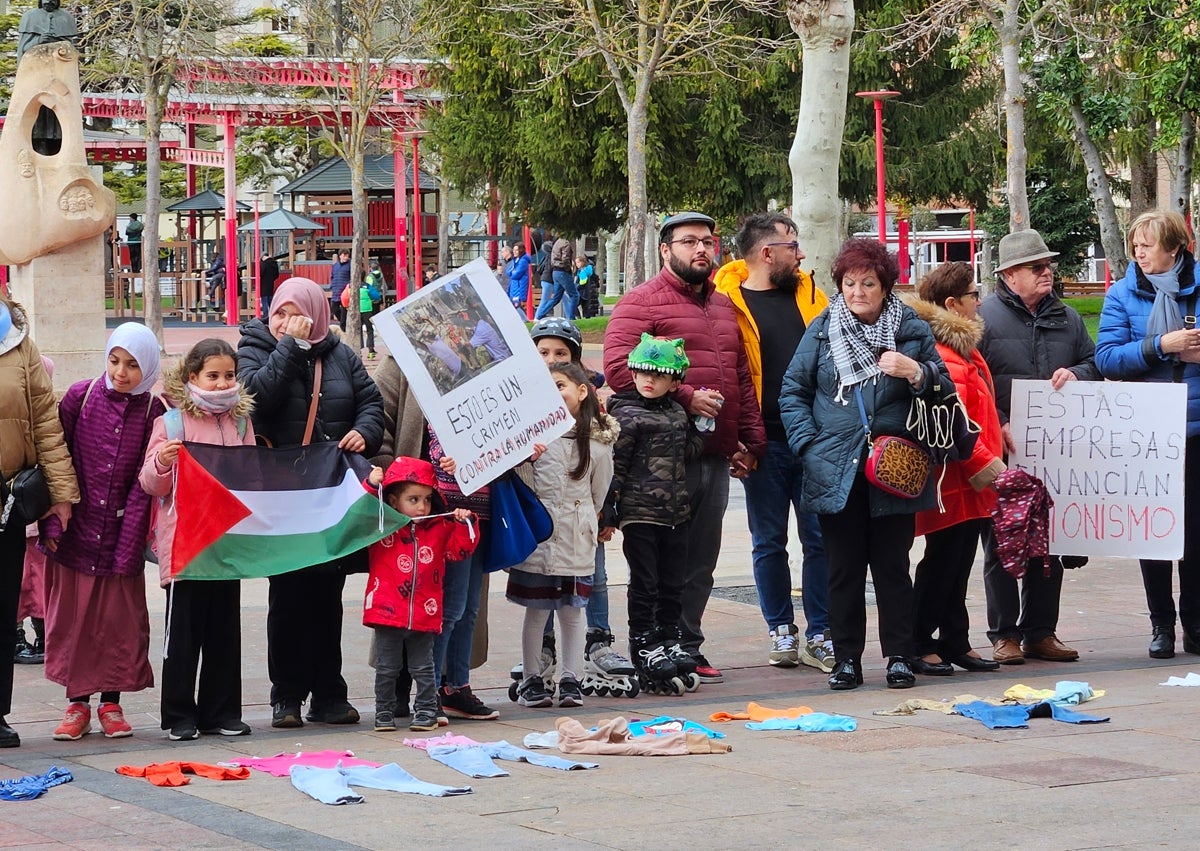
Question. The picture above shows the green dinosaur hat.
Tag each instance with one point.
(658, 354)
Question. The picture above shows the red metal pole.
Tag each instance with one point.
(880, 191)
(257, 262)
(493, 225)
(232, 316)
(974, 268)
(417, 211)
(902, 248)
(529, 308)
(400, 212)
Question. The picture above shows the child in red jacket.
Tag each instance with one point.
(403, 603)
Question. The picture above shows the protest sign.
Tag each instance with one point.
(1111, 456)
(476, 373)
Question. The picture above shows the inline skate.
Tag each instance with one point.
(549, 665)
(605, 671)
(685, 665)
(655, 670)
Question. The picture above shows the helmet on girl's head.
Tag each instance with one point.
(563, 329)
(660, 355)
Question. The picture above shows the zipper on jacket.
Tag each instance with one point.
(412, 593)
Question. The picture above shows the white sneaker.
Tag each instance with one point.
(818, 653)
(785, 646)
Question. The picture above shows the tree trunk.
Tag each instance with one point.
(636, 124)
(151, 289)
(358, 206)
(1181, 183)
(825, 28)
(1143, 170)
(1014, 115)
(612, 258)
(1097, 183)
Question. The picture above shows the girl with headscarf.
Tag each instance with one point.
(276, 363)
(97, 624)
(1148, 333)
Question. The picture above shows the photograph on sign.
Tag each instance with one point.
(476, 373)
(1111, 456)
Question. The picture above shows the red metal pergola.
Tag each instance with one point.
(400, 108)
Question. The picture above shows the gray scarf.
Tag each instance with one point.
(1164, 315)
(855, 346)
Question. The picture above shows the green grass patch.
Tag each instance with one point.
(1088, 307)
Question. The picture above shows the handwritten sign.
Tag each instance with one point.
(476, 373)
(1111, 456)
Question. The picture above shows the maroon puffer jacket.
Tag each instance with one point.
(666, 306)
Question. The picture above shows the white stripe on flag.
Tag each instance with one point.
(298, 512)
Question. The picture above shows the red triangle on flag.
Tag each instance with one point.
(205, 510)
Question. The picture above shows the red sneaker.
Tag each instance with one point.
(76, 724)
(706, 672)
(112, 721)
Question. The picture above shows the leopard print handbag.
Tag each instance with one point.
(898, 466)
(895, 465)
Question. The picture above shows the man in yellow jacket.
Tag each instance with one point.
(775, 302)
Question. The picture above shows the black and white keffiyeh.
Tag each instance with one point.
(856, 346)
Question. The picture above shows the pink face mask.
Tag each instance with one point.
(215, 401)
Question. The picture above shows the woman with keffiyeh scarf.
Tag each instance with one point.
(868, 346)
(1148, 333)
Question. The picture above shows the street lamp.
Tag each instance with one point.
(880, 193)
(257, 193)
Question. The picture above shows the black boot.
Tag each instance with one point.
(33, 654)
(1162, 643)
(22, 643)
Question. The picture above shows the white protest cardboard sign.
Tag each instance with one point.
(1111, 456)
(475, 372)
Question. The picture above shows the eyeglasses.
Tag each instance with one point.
(794, 245)
(1040, 268)
(690, 242)
(975, 294)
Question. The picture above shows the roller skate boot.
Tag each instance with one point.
(685, 663)
(605, 671)
(548, 662)
(655, 670)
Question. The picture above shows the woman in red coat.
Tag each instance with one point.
(949, 303)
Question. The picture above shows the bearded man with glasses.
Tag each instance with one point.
(680, 302)
(1028, 333)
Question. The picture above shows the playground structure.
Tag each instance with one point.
(398, 112)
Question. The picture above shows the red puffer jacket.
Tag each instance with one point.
(404, 588)
(957, 339)
(665, 306)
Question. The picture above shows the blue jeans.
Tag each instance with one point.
(771, 489)
(564, 285)
(460, 606)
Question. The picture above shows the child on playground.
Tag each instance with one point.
(571, 477)
(403, 603)
(204, 629)
(97, 623)
(650, 498)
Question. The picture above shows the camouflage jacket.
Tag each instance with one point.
(649, 459)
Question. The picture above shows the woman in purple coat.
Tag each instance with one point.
(97, 624)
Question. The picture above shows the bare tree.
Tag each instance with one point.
(824, 27)
(1011, 23)
(365, 40)
(640, 43)
(138, 47)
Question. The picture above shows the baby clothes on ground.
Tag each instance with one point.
(476, 760)
(172, 773)
(279, 764)
(666, 724)
(1192, 679)
(814, 722)
(758, 712)
(1066, 691)
(33, 785)
(613, 737)
(445, 739)
(1018, 715)
(332, 785)
(541, 740)
(946, 707)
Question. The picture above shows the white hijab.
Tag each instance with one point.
(140, 342)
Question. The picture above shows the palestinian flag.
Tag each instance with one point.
(249, 511)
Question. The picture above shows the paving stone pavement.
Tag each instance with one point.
(927, 781)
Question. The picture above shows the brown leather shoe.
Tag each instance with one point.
(1007, 651)
(1050, 649)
